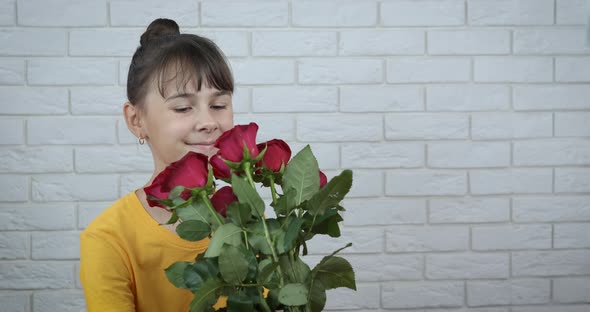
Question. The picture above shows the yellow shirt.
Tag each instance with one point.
(123, 254)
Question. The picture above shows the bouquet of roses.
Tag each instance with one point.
(253, 260)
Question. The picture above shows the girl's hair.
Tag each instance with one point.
(165, 50)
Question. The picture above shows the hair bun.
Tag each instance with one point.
(159, 28)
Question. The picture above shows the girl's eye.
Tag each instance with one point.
(182, 109)
(218, 107)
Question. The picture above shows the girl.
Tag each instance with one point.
(179, 91)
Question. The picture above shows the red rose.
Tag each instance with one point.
(190, 171)
(220, 169)
(231, 143)
(323, 179)
(222, 198)
(277, 153)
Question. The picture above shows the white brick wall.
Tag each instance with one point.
(465, 122)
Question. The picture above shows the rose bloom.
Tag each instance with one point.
(277, 153)
(231, 147)
(222, 198)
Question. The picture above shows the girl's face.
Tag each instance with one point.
(185, 120)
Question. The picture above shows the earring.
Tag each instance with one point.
(141, 141)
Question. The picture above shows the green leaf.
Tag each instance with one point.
(173, 218)
(328, 224)
(175, 273)
(197, 210)
(266, 268)
(285, 203)
(206, 267)
(296, 271)
(294, 294)
(334, 272)
(192, 279)
(293, 231)
(193, 230)
(317, 296)
(240, 214)
(206, 295)
(228, 233)
(247, 194)
(233, 265)
(302, 174)
(239, 302)
(175, 192)
(331, 194)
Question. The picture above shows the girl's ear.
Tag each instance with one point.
(134, 120)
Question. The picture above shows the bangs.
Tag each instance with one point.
(187, 60)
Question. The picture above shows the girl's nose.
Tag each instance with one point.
(205, 122)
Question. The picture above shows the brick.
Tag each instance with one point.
(98, 101)
(509, 292)
(550, 97)
(15, 301)
(510, 12)
(339, 128)
(568, 12)
(340, 13)
(12, 131)
(459, 97)
(422, 294)
(74, 187)
(367, 183)
(61, 130)
(36, 159)
(513, 69)
(271, 126)
(383, 98)
(485, 126)
(141, 13)
(572, 124)
(37, 217)
(426, 126)
(428, 69)
(32, 101)
(510, 237)
(552, 308)
(89, 211)
(70, 71)
(550, 263)
(62, 13)
(376, 268)
(231, 43)
(551, 209)
(61, 300)
(328, 155)
(572, 69)
(511, 181)
(36, 275)
(571, 289)
(552, 152)
(55, 245)
(12, 71)
(469, 210)
(568, 180)
(571, 235)
(364, 240)
(468, 155)
(384, 211)
(550, 41)
(467, 266)
(383, 155)
(15, 188)
(255, 71)
(291, 99)
(7, 17)
(423, 13)
(241, 100)
(340, 71)
(104, 42)
(468, 42)
(364, 298)
(381, 42)
(237, 13)
(14, 245)
(112, 160)
(425, 182)
(426, 238)
(293, 43)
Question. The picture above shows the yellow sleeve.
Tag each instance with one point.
(105, 278)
